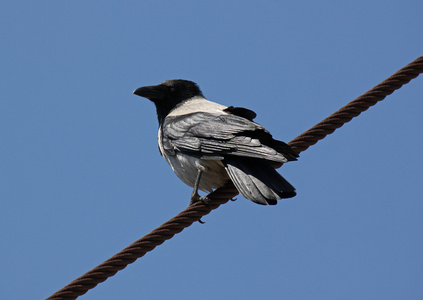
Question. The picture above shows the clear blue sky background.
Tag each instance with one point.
(81, 176)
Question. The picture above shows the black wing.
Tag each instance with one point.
(212, 136)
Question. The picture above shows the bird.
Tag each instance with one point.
(207, 144)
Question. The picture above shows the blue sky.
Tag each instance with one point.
(81, 176)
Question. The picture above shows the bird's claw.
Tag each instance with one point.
(206, 200)
(197, 198)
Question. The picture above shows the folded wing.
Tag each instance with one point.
(211, 136)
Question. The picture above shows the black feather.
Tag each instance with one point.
(241, 112)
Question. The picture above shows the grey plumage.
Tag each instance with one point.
(207, 143)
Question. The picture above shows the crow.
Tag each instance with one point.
(207, 144)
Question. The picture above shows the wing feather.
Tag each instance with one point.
(210, 135)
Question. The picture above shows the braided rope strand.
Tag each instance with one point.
(357, 106)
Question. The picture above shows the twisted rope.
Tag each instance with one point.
(222, 195)
(357, 106)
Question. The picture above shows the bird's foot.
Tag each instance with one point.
(233, 199)
(197, 198)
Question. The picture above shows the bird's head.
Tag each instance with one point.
(169, 94)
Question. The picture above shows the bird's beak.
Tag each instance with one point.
(150, 92)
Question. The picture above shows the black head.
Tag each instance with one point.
(168, 94)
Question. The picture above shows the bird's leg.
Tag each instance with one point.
(195, 197)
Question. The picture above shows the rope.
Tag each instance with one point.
(223, 194)
(357, 106)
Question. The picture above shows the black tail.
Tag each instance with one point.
(257, 181)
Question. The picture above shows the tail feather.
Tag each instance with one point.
(257, 181)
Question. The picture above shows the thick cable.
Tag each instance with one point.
(223, 194)
(357, 106)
